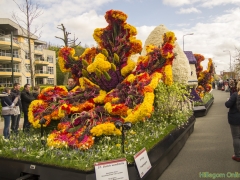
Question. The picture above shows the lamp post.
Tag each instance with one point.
(12, 57)
(123, 126)
(183, 38)
(230, 62)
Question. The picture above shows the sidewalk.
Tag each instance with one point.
(2, 124)
(209, 149)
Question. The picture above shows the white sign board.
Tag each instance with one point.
(142, 162)
(112, 170)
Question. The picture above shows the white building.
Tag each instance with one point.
(44, 61)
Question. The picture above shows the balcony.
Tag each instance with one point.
(38, 50)
(7, 72)
(5, 43)
(7, 57)
(41, 73)
(41, 61)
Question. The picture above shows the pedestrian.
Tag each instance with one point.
(36, 91)
(15, 92)
(233, 103)
(26, 98)
(7, 105)
(71, 84)
(232, 86)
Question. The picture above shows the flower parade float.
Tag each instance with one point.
(118, 108)
(202, 97)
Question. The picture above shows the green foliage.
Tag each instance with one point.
(172, 104)
(207, 96)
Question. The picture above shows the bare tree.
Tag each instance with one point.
(31, 12)
(237, 61)
(67, 41)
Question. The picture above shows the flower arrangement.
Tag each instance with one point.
(204, 77)
(112, 87)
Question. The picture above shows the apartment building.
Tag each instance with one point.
(18, 63)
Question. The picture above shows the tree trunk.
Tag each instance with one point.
(30, 48)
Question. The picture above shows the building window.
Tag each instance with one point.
(39, 80)
(15, 53)
(50, 81)
(7, 82)
(50, 59)
(38, 47)
(27, 55)
(28, 80)
(27, 67)
(50, 70)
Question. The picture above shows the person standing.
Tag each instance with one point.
(231, 86)
(36, 92)
(233, 103)
(7, 104)
(26, 98)
(71, 84)
(15, 92)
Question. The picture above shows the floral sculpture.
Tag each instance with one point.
(204, 77)
(112, 87)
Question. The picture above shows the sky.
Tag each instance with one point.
(215, 24)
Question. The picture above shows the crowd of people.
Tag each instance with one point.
(15, 102)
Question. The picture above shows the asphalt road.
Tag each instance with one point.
(208, 151)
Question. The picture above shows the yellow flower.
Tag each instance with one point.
(150, 48)
(115, 99)
(155, 79)
(100, 98)
(100, 62)
(132, 29)
(52, 141)
(97, 35)
(84, 82)
(144, 110)
(34, 121)
(118, 145)
(168, 80)
(131, 78)
(61, 113)
(105, 129)
(61, 63)
(128, 68)
(171, 37)
(119, 15)
(108, 107)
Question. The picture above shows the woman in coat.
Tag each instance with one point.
(234, 120)
(7, 104)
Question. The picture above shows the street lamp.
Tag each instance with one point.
(230, 62)
(183, 38)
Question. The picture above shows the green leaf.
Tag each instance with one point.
(85, 63)
(106, 75)
(113, 67)
(105, 52)
(85, 73)
(98, 73)
(116, 58)
(74, 129)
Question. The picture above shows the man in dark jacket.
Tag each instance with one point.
(26, 98)
(15, 92)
